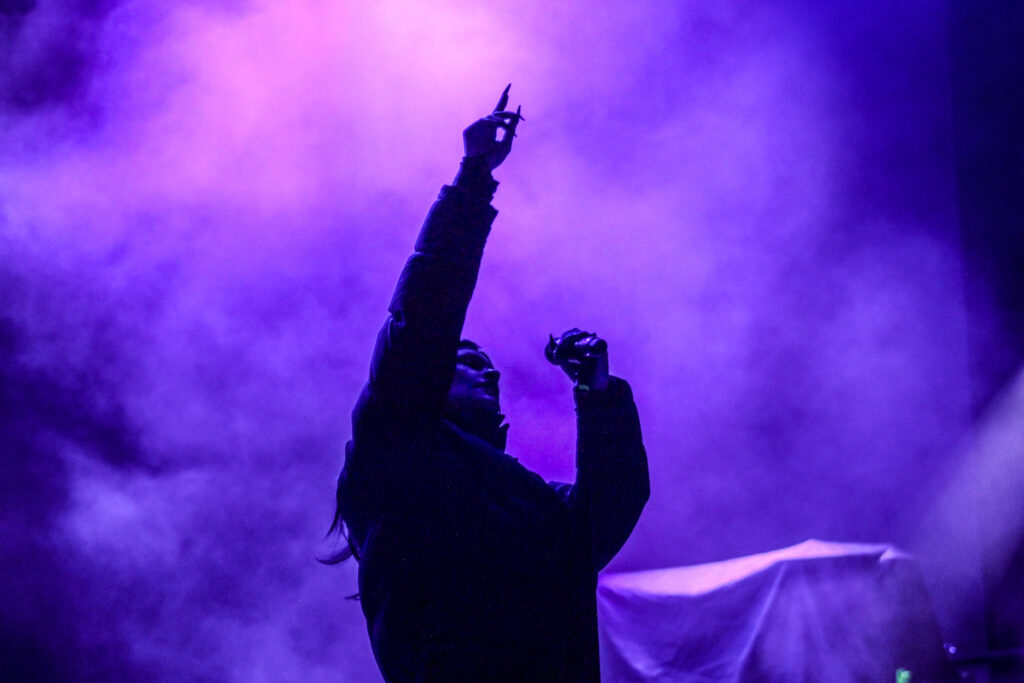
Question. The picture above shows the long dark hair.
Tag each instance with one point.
(339, 529)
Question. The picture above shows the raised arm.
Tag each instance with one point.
(612, 481)
(414, 357)
(611, 466)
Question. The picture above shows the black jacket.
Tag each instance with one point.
(471, 567)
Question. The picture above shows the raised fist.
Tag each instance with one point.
(583, 356)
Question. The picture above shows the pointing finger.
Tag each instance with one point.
(503, 100)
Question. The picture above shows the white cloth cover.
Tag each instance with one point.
(815, 611)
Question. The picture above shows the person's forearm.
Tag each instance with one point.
(612, 476)
(458, 223)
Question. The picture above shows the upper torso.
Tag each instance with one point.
(468, 562)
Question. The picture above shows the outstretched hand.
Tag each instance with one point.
(481, 138)
(583, 356)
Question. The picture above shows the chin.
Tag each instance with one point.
(477, 404)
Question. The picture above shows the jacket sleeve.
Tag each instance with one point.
(612, 481)
(414, 357)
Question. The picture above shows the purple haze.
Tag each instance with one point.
(204, 208)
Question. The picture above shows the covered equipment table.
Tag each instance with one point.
(815, 611)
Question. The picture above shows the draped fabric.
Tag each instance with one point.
(815, 611)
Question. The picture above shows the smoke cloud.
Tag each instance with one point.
(205, 206)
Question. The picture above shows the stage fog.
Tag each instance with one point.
(204, 207)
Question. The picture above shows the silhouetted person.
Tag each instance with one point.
(471, 567)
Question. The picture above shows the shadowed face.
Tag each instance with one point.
(475, 384)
